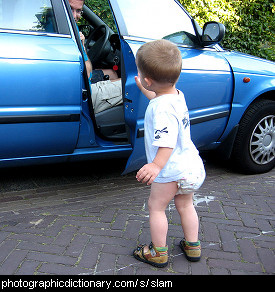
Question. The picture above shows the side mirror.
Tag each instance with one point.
(213, 32)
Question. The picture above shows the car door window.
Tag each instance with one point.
(27, 15)
(156, 20)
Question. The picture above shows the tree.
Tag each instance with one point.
(103, 10)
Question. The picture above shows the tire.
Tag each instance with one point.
(254, 147)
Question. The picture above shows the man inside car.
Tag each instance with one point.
(77, 10)
(105, 84)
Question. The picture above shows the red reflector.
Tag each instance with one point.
(246, 80)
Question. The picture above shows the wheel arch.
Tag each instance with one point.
(227, 144)
(269, 95)
(244, 128)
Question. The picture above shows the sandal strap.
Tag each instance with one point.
(152, 250)
(140, 247)
(139, 251)
(152, 256)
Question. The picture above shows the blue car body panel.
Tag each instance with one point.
(243, 63)
(261, 73)
(207, 83)
(35, 118)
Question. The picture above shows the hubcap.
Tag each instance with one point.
(262, 143)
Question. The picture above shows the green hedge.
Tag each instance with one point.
(103, 10)
(250, 24)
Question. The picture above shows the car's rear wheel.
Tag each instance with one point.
(254, 148)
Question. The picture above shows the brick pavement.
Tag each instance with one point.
(71, 220)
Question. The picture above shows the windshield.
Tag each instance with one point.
(154, 19)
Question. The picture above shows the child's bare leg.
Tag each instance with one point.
(188, 215)
(160, 196)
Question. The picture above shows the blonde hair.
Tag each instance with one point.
(160, 60)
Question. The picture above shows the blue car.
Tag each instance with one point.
(46, 111)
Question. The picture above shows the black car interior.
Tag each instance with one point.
(103, 49)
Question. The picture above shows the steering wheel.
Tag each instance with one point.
(96, 50)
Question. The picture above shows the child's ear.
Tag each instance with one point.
(148, 81)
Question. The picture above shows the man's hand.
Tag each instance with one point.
(148, 173)
(88, 63)
(82, 38)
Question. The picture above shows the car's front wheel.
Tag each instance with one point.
(254, 148)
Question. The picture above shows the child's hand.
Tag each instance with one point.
(148, 173)
(139, 85)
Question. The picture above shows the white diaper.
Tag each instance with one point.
(191, 182)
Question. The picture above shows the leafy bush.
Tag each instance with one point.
(102, 9)
(250, 24)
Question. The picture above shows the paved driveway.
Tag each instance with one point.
(85, 218)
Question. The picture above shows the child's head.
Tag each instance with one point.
(160, 60)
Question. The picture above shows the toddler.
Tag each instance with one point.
(175, 169)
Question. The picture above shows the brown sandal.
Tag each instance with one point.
(191, 250)
(152, 256)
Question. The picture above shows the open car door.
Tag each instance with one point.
(135, 104)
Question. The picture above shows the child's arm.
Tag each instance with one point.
(150, 171)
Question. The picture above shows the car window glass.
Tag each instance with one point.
(27, 15)
(103, 11)
(156, 19)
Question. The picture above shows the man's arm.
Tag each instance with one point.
(88, 63)
(89, 67)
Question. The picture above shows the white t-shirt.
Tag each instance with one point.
(167, 124)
